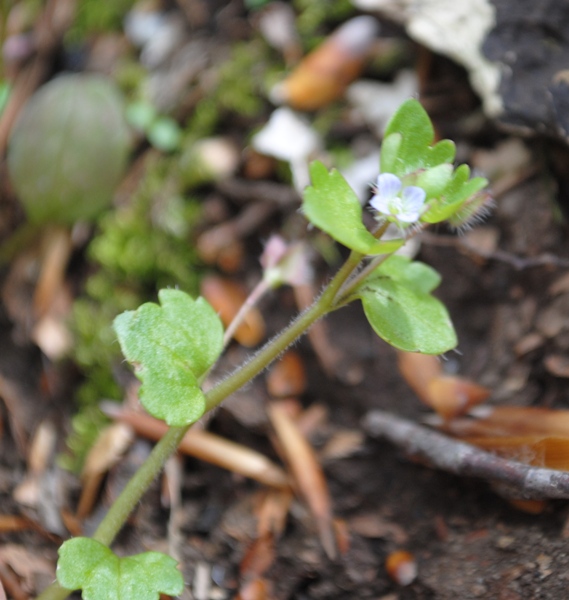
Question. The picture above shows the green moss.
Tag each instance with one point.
(86, 426)
(314, 14)
(241, 79)
(140, 248)
(94, 16)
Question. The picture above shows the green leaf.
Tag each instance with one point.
(171, 346)
(456, 193)
(416, 275)
(398, 306)
(331, 205)
(389, 152)
(165, 134)
(92, 567)
(435, 180)
(141, 114)
(414, 152)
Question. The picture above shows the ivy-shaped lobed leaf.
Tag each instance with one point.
(458, 190)
(171, 346)
(92, 567)
(413, 150)
(332, 205)
(407, 152)
(400, 309)
(415, 274)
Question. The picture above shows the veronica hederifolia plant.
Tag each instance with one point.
(172, 345)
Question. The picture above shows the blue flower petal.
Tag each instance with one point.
(388, 185)
(413, 198)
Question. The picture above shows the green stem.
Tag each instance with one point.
(134, 490)
(128, 499)
(278, 345)
(137, 486)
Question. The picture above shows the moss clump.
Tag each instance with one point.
(94, 16)
(140, 248)
(314, 14)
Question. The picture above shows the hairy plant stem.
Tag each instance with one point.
(137, 486)
(272, 349)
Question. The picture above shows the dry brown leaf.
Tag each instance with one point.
(342, 536)
(452, 396)
(531, 507)
(9, 393)
(56, 249)
(550, 452)
(227, 297)
(307, 473)
(371, 525)
(257, 589)
(39, 457)
(342, 444)
(258, 558)
(401, 566)
(26, 564)
(312, 419)
(287, 377)
(557, 365)
(528, 343)
(418, 371)
(14, 523)
(105, 453)
(324, 74)
(514, 420)
(273, 512)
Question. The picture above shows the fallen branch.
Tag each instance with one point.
(519, 263)
(459, 458)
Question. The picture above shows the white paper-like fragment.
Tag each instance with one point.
(288, 137)
(377, 102)
(455, 29)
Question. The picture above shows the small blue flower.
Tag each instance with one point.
(403, 204)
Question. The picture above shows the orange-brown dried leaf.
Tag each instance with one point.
(452, 396)
(342, 444)
(259, 557)
(227, 297)
(55, 256)
(517, 420)
(401, 567)
(531, 507)
(418, 371)
(342, 536)
(307, 473)
(324, 74)
(105, 453)
(14, 523)
(287, 376)
(230, 258)
(313, 418)
(42, 446)
(273, 512)
(258, 589)
(536, 450)
(25, 564)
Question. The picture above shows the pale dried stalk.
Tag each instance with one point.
(209, 447)
(307, 472)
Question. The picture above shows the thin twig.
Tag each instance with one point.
(518, 262)
(463, 459)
